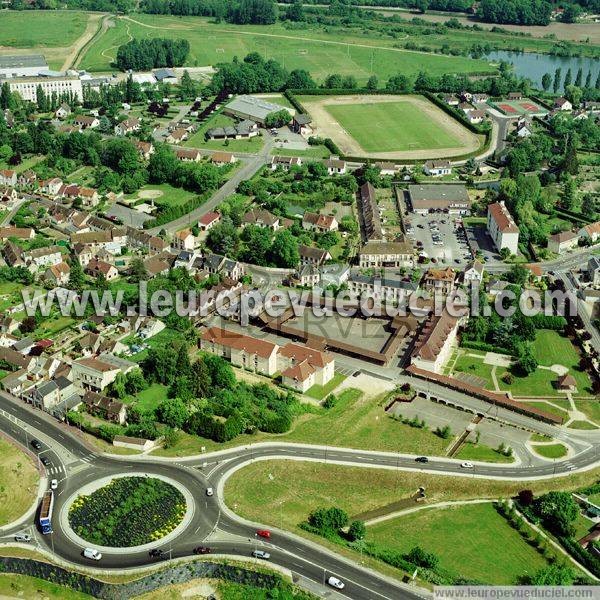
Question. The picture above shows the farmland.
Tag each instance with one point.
(388, 126)
(312, 49)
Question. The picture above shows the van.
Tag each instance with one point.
(92, 553)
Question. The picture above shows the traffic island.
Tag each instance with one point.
(127, 512)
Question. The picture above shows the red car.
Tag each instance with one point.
(202, 550)
(264, 533)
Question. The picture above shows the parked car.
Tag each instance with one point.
(202, 550)
(209, 491)
(92, 553)
(22, 537)
(336, 583)
(422, 459)
(36, 444)
(264, 533)
(261, 554)
(54, 484)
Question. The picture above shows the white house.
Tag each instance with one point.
(563, 241)
(502, 227)
(436, 168)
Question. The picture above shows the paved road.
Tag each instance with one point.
(213, 524)
(249, 168)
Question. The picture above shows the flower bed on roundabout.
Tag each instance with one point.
(128, 511)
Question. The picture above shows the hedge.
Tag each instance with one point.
(554, 322)
(181, 573)
(483, 346)
(581, 555)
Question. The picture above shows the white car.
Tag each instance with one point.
(92, 553)
(54, 484)
(22, 537)
(261, 554)
(466, 465)
(209, 491)
(336, 583)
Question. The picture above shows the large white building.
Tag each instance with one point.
(25, 65)
(502, 227)
(27, 87)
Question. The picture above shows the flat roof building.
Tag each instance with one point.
(27, 87)
(436, 197)
(22, 65)
(253, 108)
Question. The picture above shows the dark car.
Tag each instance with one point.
(202, 550)
(156, 553)
(36, 444)
(45, 460)
(422, 459)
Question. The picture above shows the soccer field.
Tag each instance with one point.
(387, 126)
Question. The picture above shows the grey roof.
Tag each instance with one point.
(423, 196)
(116, 361)
(161, 74)
(26, 342)
(302, 119)
(594, 263)
(62, 382)
(390, 282)
(253, 107)
(23, 61)
(46, 388)
(213, 261)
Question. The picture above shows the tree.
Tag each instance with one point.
(518, 275)
(527, 363)
(299, 79)
(557, 80)
(573, 94)
(570, 13)
(76, 275)
(278, 118)
(546, 81)
(295, 12)
(357, 531)
(568, 78)
(188, 88)
(372, 82)
(558, 511)
(223, 238)
(568, 195)
(418, 556)
(552, 575)
(138, 271)
(172, 412)
(589, 206)
(399, 83)
(284, 251)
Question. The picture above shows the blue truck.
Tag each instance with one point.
(46, 512)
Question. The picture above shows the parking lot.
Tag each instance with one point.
(438, 238)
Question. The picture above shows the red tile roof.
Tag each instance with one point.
(239, 341)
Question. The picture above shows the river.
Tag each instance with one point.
(533, 66)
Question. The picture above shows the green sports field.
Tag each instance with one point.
(392, 126)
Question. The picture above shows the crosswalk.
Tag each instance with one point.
(55, 470)
(88, 458)
(569, 465)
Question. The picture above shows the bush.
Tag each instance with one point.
(357, 531)
(330, 401)
(420, 558)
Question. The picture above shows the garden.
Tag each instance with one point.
(129, 511)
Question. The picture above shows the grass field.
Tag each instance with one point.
(18, 482)
(313, 49)
(466, 539)
(389, 126)
(41, 28)
(151, 397)
(166, 195)
(32, 588)
(550, 450)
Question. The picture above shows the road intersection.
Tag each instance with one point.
(214, 524)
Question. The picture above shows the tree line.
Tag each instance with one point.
(146, 54)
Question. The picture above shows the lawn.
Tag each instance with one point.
(476, 367)
(591, 408)
(165, 337)
(282, 493)
(319, 392)
(32, 588)
(355, 421)
(550, 450)
(18, 482)
(391, 126)
(470, 451)
(318, 50)
(467, 539)
(312, 152)
(151, 397)
(166, 195)
(197, 140)
(53, 325)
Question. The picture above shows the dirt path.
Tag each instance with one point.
(326, 126)
(91, 30)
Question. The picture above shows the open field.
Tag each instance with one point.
(57, 34)
(312, 49)
(32, 588)
(391, 127)
(450, 534)
(18, 482)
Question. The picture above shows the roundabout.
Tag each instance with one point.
(127, 512)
